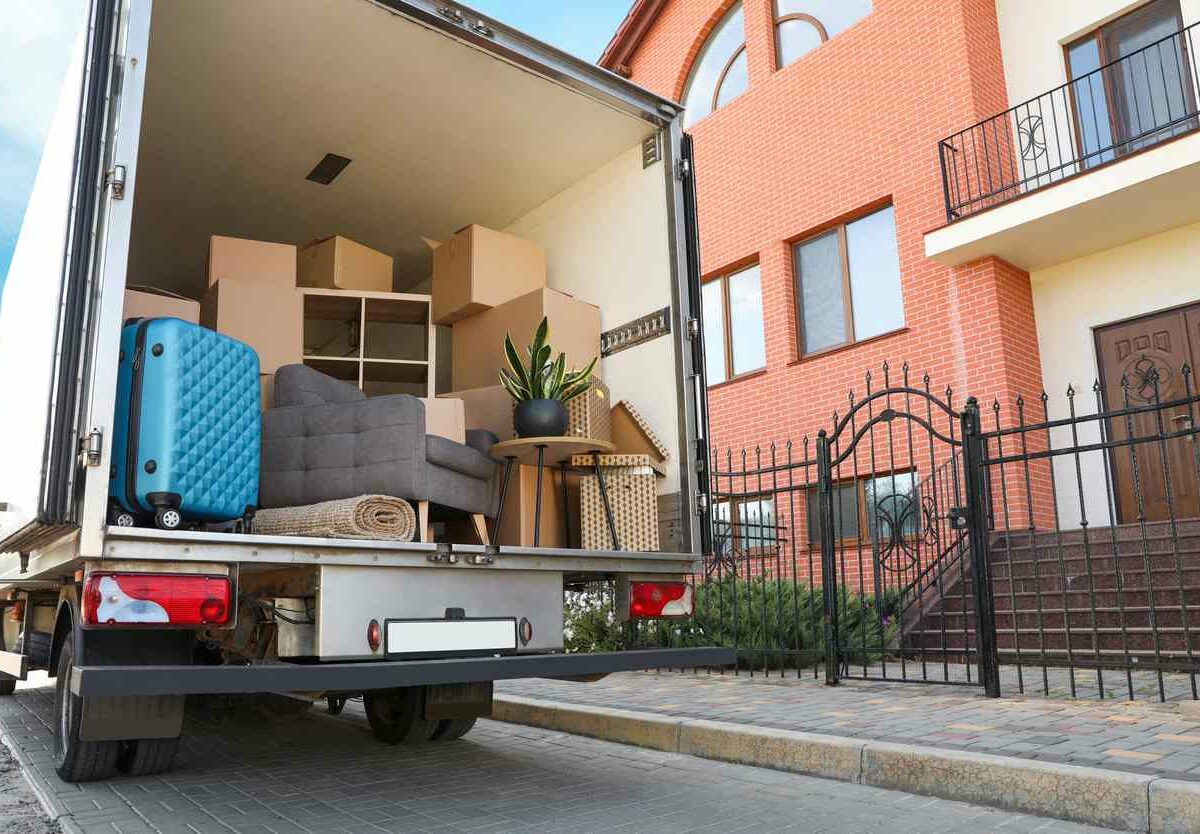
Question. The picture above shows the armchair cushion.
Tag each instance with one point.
(322, 452)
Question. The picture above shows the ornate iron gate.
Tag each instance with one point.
(901, 516)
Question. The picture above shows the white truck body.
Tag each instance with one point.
(181, 120)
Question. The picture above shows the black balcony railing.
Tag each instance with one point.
(1130, 104)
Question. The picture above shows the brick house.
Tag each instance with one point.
(831, 242)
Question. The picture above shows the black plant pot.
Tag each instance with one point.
(541, 418)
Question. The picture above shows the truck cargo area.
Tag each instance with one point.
(243, 102)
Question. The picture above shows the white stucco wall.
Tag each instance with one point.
(1033, 33)
(1072, 299)
(607, 243)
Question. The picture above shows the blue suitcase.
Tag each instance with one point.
(187, 430)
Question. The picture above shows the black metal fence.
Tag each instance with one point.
(1127, 105)
(1048, 545)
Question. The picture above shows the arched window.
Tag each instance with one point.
(720, 73)
(803, 25)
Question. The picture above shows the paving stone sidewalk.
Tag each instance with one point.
(318, 774)
(1147, 738)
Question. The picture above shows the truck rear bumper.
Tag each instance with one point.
(356, 677)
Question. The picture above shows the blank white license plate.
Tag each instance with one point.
(450, 636)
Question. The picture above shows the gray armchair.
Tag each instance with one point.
(326, 440)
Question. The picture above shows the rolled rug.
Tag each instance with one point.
(364, 517)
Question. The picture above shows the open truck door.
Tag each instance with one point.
(52, 305)
(685, 172)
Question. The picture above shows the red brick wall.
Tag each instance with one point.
(852, 125)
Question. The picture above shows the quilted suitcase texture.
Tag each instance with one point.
(187, 429)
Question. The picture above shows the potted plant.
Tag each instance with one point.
(540, 387)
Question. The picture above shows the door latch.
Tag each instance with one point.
(115, 180)
(957, 518)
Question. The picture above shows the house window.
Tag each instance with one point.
(848, 283)
(1131, 104)
(803, 25)
(869, 508)
(745, 524)
(734, 342)
(721, 72)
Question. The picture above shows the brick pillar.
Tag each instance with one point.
(993, 336)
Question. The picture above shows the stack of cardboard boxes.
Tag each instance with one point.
(487, 284)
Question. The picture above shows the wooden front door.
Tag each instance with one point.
(1141, 363)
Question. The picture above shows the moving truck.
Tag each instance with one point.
(180, 120)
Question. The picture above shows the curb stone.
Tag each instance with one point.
(1089, 795)
(52, 807)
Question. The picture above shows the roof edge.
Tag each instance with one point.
(629, 36)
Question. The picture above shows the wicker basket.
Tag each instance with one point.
(632, 485)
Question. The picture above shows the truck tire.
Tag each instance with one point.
(396, 715)
(76, 760)
(147, 756)
(451, 729)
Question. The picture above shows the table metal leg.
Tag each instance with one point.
(508, 466)
(537, 504)
(608, 513)
(566, 507)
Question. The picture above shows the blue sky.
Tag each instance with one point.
(37, 50)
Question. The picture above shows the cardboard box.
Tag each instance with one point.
(480, 268)
(237, 259)
(477, 343)
(489, 408)
(557, 530)
(268, 317)
(152, 303)
(632, 435)
(339, 263)
(267, 383)
(632, 487)
(591, 413)
(444, 418)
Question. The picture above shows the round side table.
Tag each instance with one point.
(556, 451)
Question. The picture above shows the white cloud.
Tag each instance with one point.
(36, 41)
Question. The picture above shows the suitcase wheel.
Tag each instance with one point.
(167, 518)
(118, 516)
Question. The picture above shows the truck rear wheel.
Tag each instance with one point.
(147, 756)
(450, 729)
(76, 760)
(397, 715)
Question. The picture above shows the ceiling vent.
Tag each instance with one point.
(327, 170)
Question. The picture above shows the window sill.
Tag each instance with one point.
(737, 379)
(829, 351)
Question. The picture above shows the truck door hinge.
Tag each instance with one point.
(701, 503)
(451, 13)
(693, 328)
(93, 445)
(683, 169)
(114, 180)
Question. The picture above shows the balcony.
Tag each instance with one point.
(1109, 157)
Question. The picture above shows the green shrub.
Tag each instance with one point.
(772, 623)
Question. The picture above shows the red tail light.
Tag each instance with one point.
(660, 599)
(156, 599)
